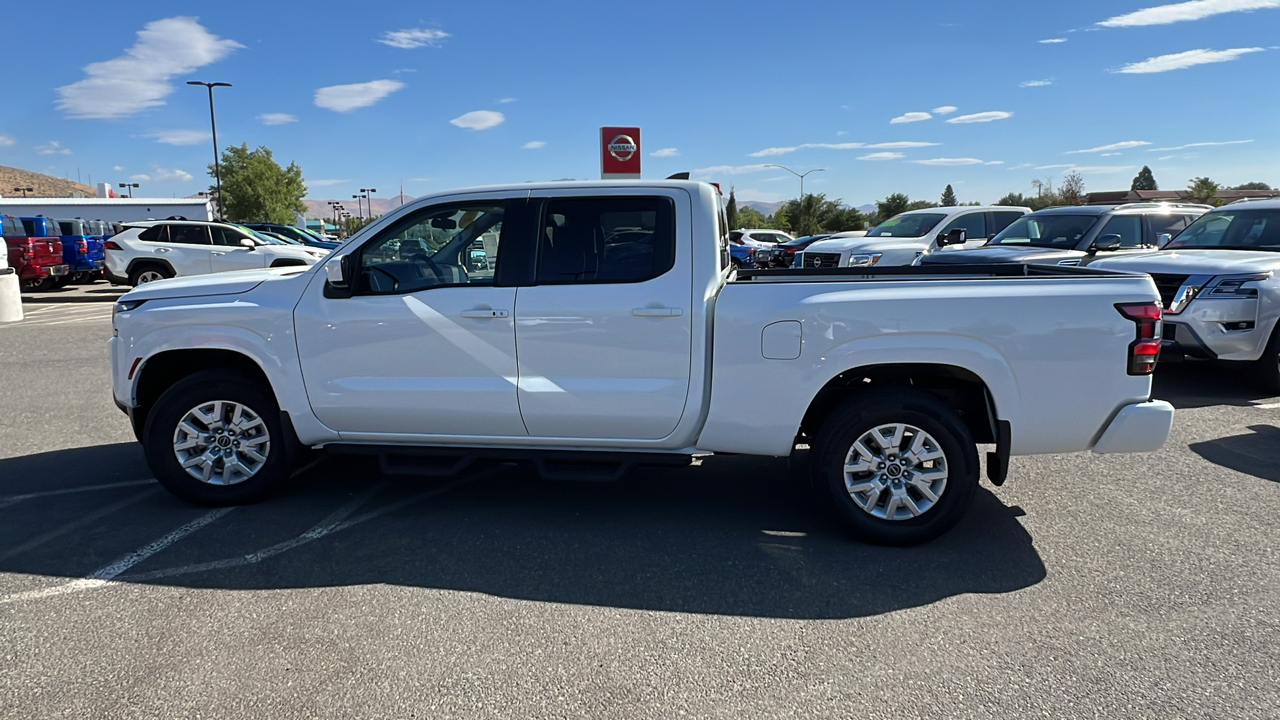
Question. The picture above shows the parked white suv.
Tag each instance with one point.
(1219, 281)
(765, 243)
(161, 249)
(902, 238)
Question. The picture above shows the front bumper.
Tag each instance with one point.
(1217, 329)
(1141, 427)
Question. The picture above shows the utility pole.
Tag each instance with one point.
(213, 125)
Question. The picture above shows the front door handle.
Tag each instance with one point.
(657, 312)
(486, 314)
(216, 252)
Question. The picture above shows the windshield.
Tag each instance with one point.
(910, 226)
(1231, 230)
(259, 236)
(1051, 231)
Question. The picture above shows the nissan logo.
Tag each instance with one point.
(622, 148)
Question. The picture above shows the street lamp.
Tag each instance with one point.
(131, 186)
(799, 175)
(369, 198)
(359, 207)
(24, 190)
(213, 124)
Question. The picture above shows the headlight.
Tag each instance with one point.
(864, 260)
(1232, 286)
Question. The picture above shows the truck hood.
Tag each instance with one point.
(1194, 262)
(227, 283)
(869, 244)
(1000, 254)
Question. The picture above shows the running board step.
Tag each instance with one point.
(556, 465)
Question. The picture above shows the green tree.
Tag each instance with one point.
(949, 197)
(1013, 200)
(732, 211)
(256, 188)
(815, 213)
(894, 204)
(1203, 190)
(779, 220)
(1254, 186)
(1144, 180)
(1071, 192)
(749, 217)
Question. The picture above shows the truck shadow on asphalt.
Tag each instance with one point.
(740, 536)
(1196, 384)
(1256, 454)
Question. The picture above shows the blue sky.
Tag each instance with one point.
(886, 97)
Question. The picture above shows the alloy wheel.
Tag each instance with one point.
(895, 472)
(221, 442)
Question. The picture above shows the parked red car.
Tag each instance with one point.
(37, 260)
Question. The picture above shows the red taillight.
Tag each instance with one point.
(1144, 351)
(112, 245)
(83, 245)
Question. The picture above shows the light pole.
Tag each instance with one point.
(359, 207)
(131, 186)
(369, 198)
(24, 190)
(799, 175)
(213, 125)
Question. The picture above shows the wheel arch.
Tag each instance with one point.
(166, 368)
(136, 263)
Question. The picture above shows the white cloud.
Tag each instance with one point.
(53, 147)
(1035, 83)
(883, 156)
(412, 38)
(665, 152)
(344, 98)
(1190, 58)
(479, 119)
(506, 100)
(770, 152)
(729, 170)
(6, 140)
(139, 79)
(945, 110)
(841, 133)
(981, 117)
(1103, 169)
(1052, 41)
(139, 178)
(949, 162)
(325, 183)
(180, 137)
(911, 117)
(994, 162)
(1183, 11)
(534, 145)
(1200, 144)
(277, 118)
(1127, 144)
(1108, 154)
(118, 168)
(166, 174)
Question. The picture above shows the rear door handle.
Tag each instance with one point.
(215, 252)
(657, 312)
(486, 314)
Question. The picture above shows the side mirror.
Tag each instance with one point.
(1106, 243)
(958, 236)
(337, 271)
(247, 243)
(1163, 239)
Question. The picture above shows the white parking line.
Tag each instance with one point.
(79, 522)
(15, 499)
(105, 575)
(1268, 406)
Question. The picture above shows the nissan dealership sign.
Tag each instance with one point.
(619, 152)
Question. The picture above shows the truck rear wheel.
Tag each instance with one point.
(896, 465)
(215, 438)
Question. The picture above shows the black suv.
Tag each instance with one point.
(1076, 235)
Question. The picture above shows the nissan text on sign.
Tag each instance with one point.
(619, 153)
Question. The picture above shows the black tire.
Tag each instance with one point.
(43, 285)
(138, 274)
(1267, 367)
(192, 392)
(874, 409)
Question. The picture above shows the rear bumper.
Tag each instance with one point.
(1141, 427)
(113, 278)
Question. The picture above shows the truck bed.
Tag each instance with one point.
(921, 272)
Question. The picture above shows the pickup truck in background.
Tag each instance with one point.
(903, 238)
(37, 259)
(636, 336)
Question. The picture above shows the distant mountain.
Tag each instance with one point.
(322, 209)
(41, 185)
(866, 209)
(767, 208)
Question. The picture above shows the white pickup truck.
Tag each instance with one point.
(607, 329)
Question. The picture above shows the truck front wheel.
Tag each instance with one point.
(215, 438)
(897, 466)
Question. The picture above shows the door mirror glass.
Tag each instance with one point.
(336, 271)
(1107, 243)
(1163, 239)
(247, 243)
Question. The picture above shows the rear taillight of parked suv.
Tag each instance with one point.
(1145, 349)
(111, 245)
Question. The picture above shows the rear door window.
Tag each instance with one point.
(606, 240)
(189, 234)
(1128, 227)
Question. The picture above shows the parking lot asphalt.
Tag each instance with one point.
(1088, 586)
